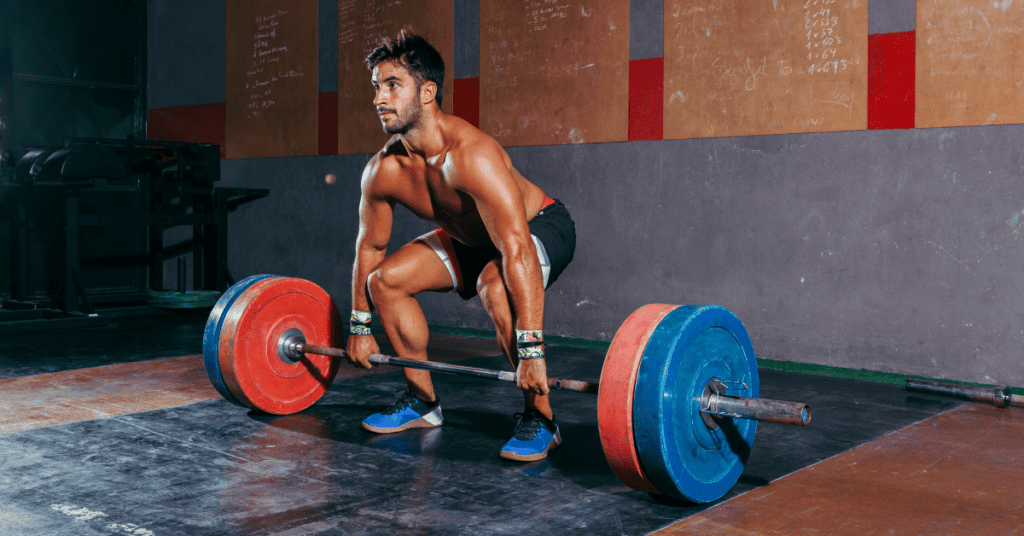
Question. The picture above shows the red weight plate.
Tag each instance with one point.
(615, 395)
(253, 371)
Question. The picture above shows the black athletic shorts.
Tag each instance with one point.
(554, 235)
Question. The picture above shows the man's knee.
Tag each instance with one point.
(383, 282)
(494, 296)
(491, 295)
(490, 286)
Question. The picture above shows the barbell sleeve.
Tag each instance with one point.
(758, 409)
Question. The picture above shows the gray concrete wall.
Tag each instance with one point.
(885, 250)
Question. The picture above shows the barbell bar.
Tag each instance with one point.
(715, 400)
(999, 397)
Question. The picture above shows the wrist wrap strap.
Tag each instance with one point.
(359, 323)
(530, 344)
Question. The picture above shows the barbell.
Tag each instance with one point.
(1000, 397)
(678, 397)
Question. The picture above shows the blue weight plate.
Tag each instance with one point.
(212, 333)
(682, 456)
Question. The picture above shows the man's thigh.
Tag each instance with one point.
(415, 268)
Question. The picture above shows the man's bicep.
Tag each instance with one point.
(375, 217)
(375, 210)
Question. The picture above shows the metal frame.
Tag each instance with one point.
(135, 92)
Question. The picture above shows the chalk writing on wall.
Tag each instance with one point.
(554, 71)
(271, 100)
(970, 62)
(737, 68)
(361, 26)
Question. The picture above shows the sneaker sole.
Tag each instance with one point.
(411, 424)
(430, 420)
(530, 457)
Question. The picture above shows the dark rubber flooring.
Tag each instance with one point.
(137, 334)
(215, 468)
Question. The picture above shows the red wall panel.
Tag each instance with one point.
(891, 69)
(646, 99)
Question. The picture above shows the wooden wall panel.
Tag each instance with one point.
(970, 62)
(361, 25)
(554, 72)
(272, 78)
(738, 68)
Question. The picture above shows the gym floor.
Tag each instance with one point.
(117, 430)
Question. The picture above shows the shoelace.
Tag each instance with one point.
(529, 425)
(406, 400)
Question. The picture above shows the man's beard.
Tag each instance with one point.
(404, 119)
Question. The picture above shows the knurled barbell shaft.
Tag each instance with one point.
(759, 409)
(500, 375)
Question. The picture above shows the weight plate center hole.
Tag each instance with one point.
(286, 346)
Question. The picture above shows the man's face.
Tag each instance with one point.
(397, 97)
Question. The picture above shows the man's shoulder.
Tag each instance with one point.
(466, 133)
(391, 159)
(383, 173)
(473, 147)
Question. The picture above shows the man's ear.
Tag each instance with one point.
(428, 92)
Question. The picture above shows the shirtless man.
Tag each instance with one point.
(500, 237)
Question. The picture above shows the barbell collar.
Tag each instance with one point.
(288, 344)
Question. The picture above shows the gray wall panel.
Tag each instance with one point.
(882, 250)
(646, 38)
(467, 39)
(892, 250)
(887, 16)
(327, 35)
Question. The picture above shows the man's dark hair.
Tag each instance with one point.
(415, 54)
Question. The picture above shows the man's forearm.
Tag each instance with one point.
(525, 285)
(367, 260)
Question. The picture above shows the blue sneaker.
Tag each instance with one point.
(407, 412)
(535, 436)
